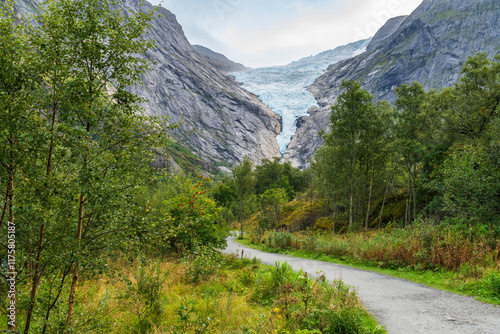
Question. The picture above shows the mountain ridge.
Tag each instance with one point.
(220, 61)
(221, 122)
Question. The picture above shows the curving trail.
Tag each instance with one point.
(403, 307)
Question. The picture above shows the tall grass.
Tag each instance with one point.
(469, 254)
(420, 246)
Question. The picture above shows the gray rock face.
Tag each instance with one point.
(334, 55)
(219, 61)
(386, 31)
(221, 122)
(24, 8)
(429, 46)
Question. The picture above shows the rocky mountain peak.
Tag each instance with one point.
(386, 31)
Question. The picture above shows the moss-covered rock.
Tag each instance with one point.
(394, 209)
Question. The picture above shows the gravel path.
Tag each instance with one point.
(403, 307)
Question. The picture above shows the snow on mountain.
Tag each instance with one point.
(284, 88)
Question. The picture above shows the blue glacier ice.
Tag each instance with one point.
(284, 88)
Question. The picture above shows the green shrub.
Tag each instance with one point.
(190, 321)
(202, 262)
(190, 216)
(491, 285)
(304, 305)
(148, 290)
(324, 224)
(282, 240)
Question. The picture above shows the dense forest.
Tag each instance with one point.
(76, 162)
(92, 230)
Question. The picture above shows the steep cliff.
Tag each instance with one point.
(221, 122)
(386, 31)
(219, 61)
(429, 47)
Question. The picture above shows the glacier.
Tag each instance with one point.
(284, 88)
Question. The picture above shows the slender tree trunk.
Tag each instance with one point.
(333, 229)
(76, 276)
(414, 178)
(408, 197)
(365, 203)
(36, 279)
(370, 192)
(385, 196)
(47, 314)
(76, 268)
(4, 209)
(351, 191)
(241, 216)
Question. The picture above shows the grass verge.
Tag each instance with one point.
(208, 292)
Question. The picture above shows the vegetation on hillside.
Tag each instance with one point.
(432, 156)
(440, 146)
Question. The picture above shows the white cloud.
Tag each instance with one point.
(260, 32)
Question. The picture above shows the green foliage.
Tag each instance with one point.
(191, 216)
(462, 148)
(148, 289)
(79, 147)
(178, 213)
(191, 322)
(267, 188)
(472, 185)
(441, 147)
(311, 305)
(202, 262)
(279, 240)
(263, 223)
(423, 246)
(274, 175)
(244, 185)
(272, 202)
(323, 224)
(355, 151)
(491, 286)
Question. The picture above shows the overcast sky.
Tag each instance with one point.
(275, 32)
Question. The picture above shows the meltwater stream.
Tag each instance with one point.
(284, 88)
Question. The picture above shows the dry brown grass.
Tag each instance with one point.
(422, 246)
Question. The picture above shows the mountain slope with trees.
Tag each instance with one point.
(412, 186)
(429, 47)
